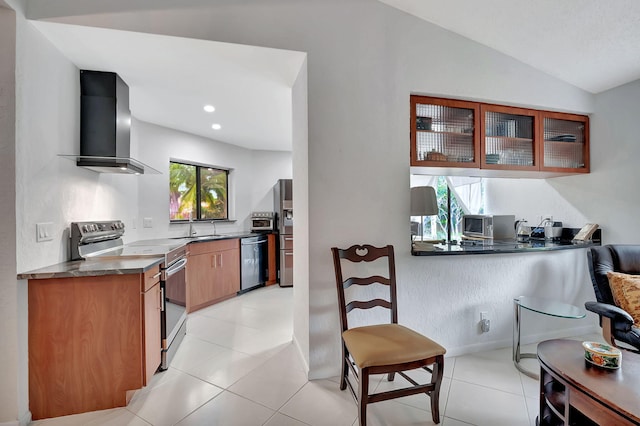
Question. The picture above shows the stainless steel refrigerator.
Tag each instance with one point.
(283, 206)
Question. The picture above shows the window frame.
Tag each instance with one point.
(198, 187)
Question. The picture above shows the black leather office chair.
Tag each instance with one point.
(617, 324)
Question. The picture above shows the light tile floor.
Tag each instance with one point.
(237, 366)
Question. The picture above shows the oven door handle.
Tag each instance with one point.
(176, 267)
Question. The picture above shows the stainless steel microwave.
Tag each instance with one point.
(499, 227)
(262, 221)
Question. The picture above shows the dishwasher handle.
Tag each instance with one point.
(176, 267)
(252, 243)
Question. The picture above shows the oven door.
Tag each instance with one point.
(174, 314)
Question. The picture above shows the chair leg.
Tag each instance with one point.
(363, 396)
(436, 379)
(345, 368)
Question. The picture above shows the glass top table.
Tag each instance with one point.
(541, 306)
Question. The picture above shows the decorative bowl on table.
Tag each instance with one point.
(602, 355)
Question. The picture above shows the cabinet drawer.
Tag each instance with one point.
(151, 277)
(212, 246)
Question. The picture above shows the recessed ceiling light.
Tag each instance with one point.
(216, 126)
(209, 108)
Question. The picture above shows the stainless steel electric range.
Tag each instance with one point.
(103, 239)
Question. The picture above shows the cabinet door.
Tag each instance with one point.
(565, 142)
(272, 277)
(444, 132)
(228, 274)
(508, 138)
(152, 339)
(200, 280)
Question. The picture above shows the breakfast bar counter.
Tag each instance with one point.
(501, 247)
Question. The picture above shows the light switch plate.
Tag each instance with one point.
(44, 231)
(147, 222)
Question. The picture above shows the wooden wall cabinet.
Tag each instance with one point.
(453, 135)
(93, 341)
(509, 138)
(213, 272)
(444, 132)
(564, 142)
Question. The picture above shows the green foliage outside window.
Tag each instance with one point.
(436, 228)
(197, 192)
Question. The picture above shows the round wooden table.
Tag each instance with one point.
(573, 391)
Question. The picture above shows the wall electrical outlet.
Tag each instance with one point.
(485, 324)
(147, 222)
(44, 231)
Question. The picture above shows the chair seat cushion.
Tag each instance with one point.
(387, 344)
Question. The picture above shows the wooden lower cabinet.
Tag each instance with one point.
(152, 335)
(213, 272)
(272, 255)
(92, 341)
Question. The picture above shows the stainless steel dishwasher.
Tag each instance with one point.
(253, 262)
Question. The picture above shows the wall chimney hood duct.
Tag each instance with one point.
(105, 125)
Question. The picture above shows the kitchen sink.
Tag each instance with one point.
(201, 237)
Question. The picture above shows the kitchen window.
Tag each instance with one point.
(456, 196)
(198, 192)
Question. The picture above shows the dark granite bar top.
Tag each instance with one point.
(502, 247)
(512, 246)
(126, 264)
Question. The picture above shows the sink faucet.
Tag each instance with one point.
(192, 230)
(213, 222)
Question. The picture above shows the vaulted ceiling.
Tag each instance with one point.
(592, 44)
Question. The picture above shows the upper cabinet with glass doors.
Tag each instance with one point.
(508, 138)
(444, 132)
(565, 142)
(447, 133)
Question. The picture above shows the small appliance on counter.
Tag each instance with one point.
(262, 221)
(547, 230)
(498, 227)
(523, 230)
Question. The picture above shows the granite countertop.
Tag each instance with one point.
(94, 267)
(135, 264)
(502, 247)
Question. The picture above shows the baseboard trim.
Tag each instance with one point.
(524, 340)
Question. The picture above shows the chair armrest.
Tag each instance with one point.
(610, 311)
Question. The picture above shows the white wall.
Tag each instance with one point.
(251, 181)
(608, 195)
(51, 188)
(300, 138)
(268, 167)
(532, 200)
(364, 59)
(9, 312)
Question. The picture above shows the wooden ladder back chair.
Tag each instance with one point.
(382, 348)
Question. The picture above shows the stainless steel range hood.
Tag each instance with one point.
(105, 125)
